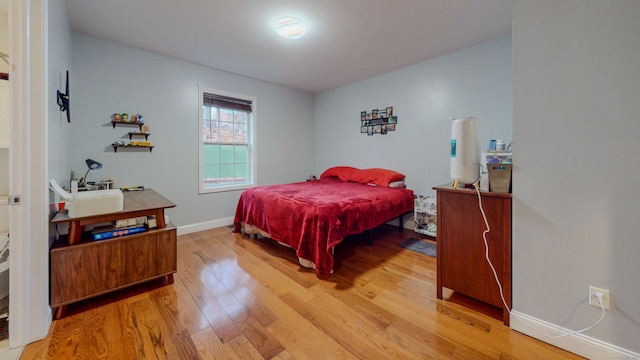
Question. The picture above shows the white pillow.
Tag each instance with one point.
(397, 184)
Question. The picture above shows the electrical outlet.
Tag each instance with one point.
(593, 299)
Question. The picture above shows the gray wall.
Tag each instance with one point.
(4, 35)
(476, 81)
(4, 153)
(59, 61)
(575, 215)
(111, 78)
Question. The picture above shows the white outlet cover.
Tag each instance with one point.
(606, 297)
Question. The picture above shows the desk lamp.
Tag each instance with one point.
(93, 166)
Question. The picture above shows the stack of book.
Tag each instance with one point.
(120, 228)
(108, 232)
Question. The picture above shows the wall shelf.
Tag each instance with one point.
(145, 134)
(116, 147)
(134, 144)
(114, 123)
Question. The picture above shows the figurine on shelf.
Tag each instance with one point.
(136, 118)
(116, 117)
(125, 117)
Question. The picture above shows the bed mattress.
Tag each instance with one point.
(314, 216)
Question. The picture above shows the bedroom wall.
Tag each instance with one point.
(575, 214)
(4, 68)
(476, 81)
(59, 61)
(110, 78)
(4, 35)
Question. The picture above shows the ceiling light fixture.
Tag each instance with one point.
(291, 28)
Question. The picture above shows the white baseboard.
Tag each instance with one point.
(188, 229)
(579, 344)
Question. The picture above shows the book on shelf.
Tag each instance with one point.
(108, 232)
(136, 221)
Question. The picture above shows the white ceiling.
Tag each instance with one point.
(346, 41)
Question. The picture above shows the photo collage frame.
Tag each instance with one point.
(378, 121)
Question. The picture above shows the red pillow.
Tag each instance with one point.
(340, 172)
(377, 176)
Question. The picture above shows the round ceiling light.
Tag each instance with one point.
(291, 28)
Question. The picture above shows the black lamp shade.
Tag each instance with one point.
(93, 165)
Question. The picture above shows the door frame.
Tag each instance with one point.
(30, 314)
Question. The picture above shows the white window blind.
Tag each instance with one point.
(226, 133)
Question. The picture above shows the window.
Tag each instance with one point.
(227, 151)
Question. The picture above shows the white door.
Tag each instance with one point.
(4, 114)
(30, 315)
(4, 208)
(4, 176)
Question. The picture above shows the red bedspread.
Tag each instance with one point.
(314, 216)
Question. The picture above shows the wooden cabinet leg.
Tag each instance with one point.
(75, 232)
(60, 312)
(170, 278)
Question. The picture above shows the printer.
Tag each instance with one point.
(89, 203)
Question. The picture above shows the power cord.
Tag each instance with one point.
(497, 279)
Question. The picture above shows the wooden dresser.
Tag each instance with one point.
(82, 268)
(461, 261)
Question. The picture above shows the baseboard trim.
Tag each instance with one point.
(188, 229)
(579, 344)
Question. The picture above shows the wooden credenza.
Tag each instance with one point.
(81, 268)
(461, 262)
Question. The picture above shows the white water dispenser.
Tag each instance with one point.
(465, 156)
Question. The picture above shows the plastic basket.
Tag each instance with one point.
(499, 178)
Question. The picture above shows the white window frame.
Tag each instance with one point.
(251, 139)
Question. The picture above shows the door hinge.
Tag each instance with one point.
(14, 200)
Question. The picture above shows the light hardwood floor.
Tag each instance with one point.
(241, 298)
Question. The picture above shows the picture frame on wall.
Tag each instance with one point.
(378, 121)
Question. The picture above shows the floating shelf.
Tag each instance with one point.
(114, 123)
(132, 134)
(116, 147)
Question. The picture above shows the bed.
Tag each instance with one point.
(312, 217)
